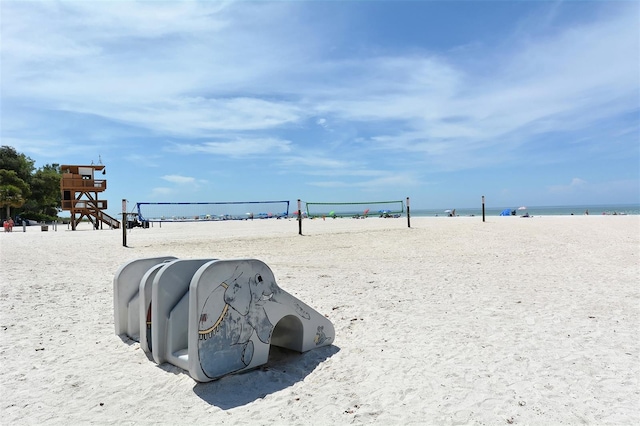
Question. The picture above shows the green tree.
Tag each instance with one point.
(45, 191)
(10, 159)
(13, 190)
(33, 195)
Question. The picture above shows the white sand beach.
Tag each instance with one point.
(532, 321)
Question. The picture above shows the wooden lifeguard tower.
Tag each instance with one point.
(80, 190)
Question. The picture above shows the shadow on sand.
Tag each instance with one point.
(284, 369)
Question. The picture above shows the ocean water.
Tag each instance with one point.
(625, 209)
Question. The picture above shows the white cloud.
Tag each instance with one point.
(378, 180)
(576, 184)
(607, 191)
(161, 191)
(242, 79)
(241, 147)
(143, 160)
(316, 160)
(182, 180)
(564, 83)
(329, 184)
(537, 85)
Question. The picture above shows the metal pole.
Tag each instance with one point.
(299, 218)
(408, 214)
(483, 208)
(124, 222)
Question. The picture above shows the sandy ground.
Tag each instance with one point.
(450, 321)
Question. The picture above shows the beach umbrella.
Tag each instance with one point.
(332, 213)
(366, 211)
(447, 211)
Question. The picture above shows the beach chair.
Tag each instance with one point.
(126, 287)
(226, 318)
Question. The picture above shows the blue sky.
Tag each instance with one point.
(527, 103)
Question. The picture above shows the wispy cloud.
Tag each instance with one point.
(182, 180)
(161, 191)
(581, 191)
(317, 161)
(190, 117)
(241, 147)
(244, 80)
(148, 160)
(575, 184)
(537, 85)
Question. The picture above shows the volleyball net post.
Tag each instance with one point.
(124, 222)
(299, 217)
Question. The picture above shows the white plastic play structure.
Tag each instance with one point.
(212, 317)
(126, 295)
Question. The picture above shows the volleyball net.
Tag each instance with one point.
(190, 212)
(360, 209)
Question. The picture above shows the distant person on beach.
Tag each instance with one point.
(5, 225)
(586, 212)
(10, 221)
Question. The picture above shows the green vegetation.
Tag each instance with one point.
(32, 194)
